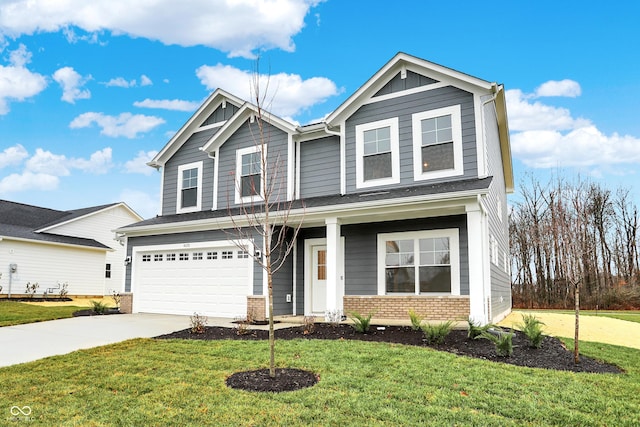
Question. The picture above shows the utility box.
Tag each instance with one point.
(13, 268)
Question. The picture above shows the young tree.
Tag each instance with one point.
(267, 217)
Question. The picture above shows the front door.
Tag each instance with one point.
(319, 279)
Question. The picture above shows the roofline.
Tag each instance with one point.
(114, 205)
(505, 142)
(456, 198)
(45, 242)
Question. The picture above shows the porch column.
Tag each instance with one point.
(333, 270)
(477, 247)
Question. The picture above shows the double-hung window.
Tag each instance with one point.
(377, 153)
(423, 262)
(249, 174)
(189, 187)
(437, 143)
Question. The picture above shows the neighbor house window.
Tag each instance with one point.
(377, 153)
(189, 187)
(423, 262)
(107, 271)
(437, 143)
(249, 174)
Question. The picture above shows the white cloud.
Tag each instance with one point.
(17, 83)
(145, 81)
(238, 27)
(286, 94)
(124, 125)
(46, 162)
(545, 136)
(168, 104)
(27, 181)
(99, 163)
(13, 156)
(146, 205)
(120, 82)
(71, 83)
(566, 87)
(139, 163)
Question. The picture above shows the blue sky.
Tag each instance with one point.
(90, 91)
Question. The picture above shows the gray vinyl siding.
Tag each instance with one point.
(283, 285)
(189, 152)
(179, 238)
(248, 136)
(221, 114)
(411, 81)
(403, 107)
(498, 227)
(320, 167)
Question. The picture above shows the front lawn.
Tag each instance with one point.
(17, 313)
(629, 315)
(179, 382)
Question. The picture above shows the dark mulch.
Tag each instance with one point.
(91, 312)
(287, 379)
(551, 355)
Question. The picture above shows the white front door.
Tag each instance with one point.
(319, 279)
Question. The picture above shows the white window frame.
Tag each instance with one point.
(392, 123)
(453, 234)
(456, 130)
(198, 206)
(263, 175)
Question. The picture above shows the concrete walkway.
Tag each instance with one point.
(33, 341)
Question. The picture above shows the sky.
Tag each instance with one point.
(91, 91)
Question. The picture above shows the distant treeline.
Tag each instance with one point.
(563, 233)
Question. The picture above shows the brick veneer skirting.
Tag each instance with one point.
(256, 307)
(397, 307)
(126, 303)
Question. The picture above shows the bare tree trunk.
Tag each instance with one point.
(576, 338)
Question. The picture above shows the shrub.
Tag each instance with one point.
(116, 297)
(98, 307)
(31, 289)
(242, 325)
(308, 325)
(333, 316)
(475, 330)
(436, 333)
(63, 289)
(502, 340)
(532, 328)
(361, 323)
(416, 320)
(198, 323)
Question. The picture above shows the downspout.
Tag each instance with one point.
(329, 131)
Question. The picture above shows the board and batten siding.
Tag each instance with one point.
(221, 114)
(403, 107)
(498, 220)
(320, 167)
(48, 265)
(186, 238)
(411, 81)
(247, 136)
(189, 152)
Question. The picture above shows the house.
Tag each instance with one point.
(51, 247)
(401, 193)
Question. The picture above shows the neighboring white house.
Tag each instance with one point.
(76, 247)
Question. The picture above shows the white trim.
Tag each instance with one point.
(481, 136)
(456, 129)
(210, 126)
(44, 242)
(454, 256)
(161, 207)
(297, 171)
(198, 206)
(263, 173)
(308, 267)
(290, 167)
(406, 92)
(343, 159)
(392, 123)
(87, 215)
(294, 293)
(216, 178)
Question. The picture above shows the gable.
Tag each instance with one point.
(224, 112)
(405, 80)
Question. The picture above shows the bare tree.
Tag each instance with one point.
(267, 216)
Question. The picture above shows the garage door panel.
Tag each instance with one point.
(192, 283)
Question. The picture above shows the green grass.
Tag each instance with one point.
(17, 313)
(629, 315)
(169, 383)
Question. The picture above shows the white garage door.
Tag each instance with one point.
(212, 281)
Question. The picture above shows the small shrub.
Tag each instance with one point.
(198, 323)
(416, 320)
(475, 330)
(98, 307)
(242, 325)
(31, 289)
(308, 325)
(532, 328)
(502, 340)
(361, 323)
(334, 317)
(436, 333)
(116, 297)
(64, 289)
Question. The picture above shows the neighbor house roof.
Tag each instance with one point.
(27, 222)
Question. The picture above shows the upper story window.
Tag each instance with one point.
(249, 174)
(437, 143)
(189, 187)
(377, 153)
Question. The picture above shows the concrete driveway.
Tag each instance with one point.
(26, 343)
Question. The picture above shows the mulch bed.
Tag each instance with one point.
(91, 312)
(551, 355)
